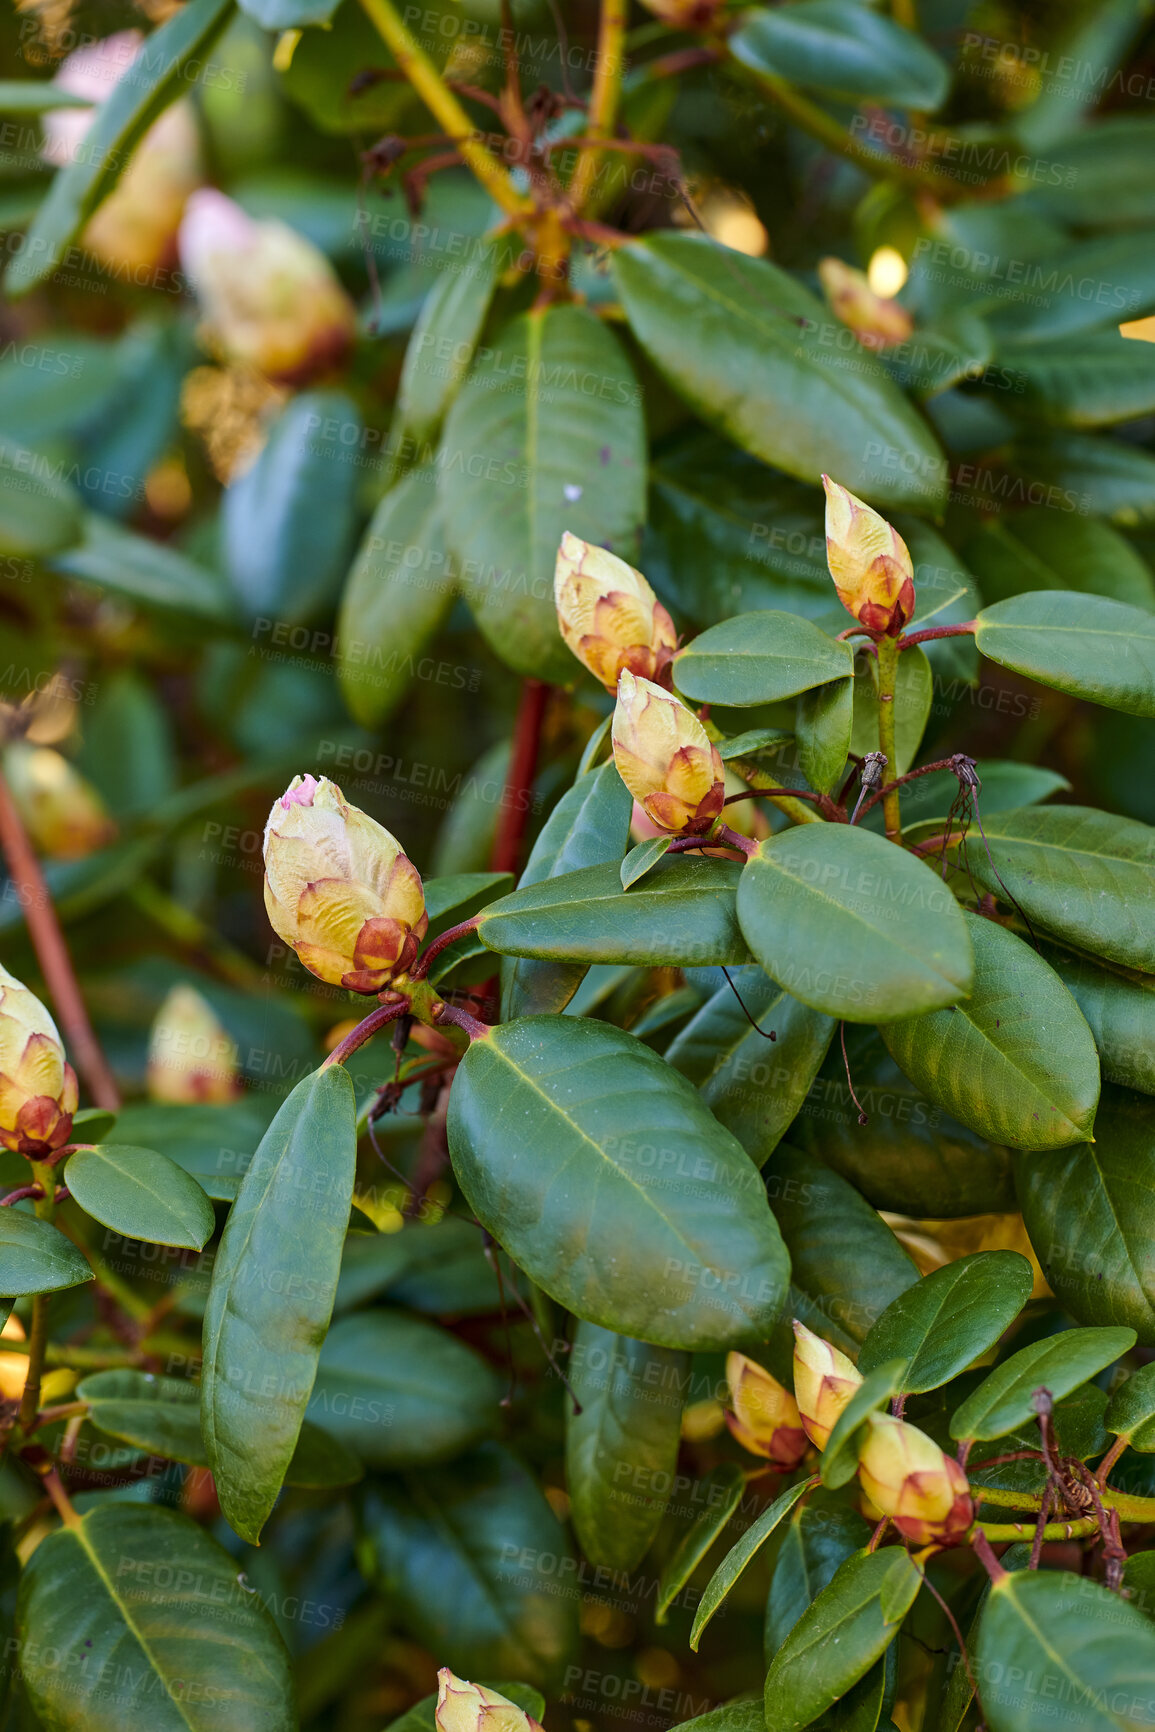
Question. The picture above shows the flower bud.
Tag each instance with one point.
(136, 225)
(270, 299)
(38, 1093)
(608, 614)
(339, 890)
(824, 1381)
(875, 320)
(765, 1419)
(191, 1055)
(665, 758)
(63, 814)
(907, 1477)
(869, 562)
(465, 1707)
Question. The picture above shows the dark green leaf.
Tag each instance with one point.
(1080, 472)
(639, 860)
(213, 1143)
(440, 351)
(841, 48)
(739, 1556)
(840, 1456)
(93, 1125)
(1131, 1410)
(740, 1716)
(949, 1319)
(722, 1490)
(1041, 549)
(37, 1257)
(1091, 379)
(39, 513)
(1101, 185)
(1059, 1363)
(142, 1194)
(750, 744)
(825, 718)
(144, 572)
(821, 1535)
(1120, 1012)
(1083, 644)
(758, 658)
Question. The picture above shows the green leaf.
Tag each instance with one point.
(840, 1457)
(608, 1182)
(1081, 472)
(142, 1194)
(213, 1143)
(440, 352)
(737, 1558)
(1083, 644)
(622, 1447)
(825, 718)
(288, 14)
(26, 96)
(1120, 1012)
(1090, 1212)
(39, 513)
(272, 1294)
(93, 1125)
(822, 1533)
(853, 926)
(949, 1319)
(758, 372)
(740, 1716)
(682, 914)
(844, 50)
(1004, 785)
(1059, 1363)
(641, 859)
(1083, 875)
(1077, 1641)
(120, 123)
(1015, 1060)
(401, 1392)
(758, 658)
(721, 1491)
(753, 1086)
(144, 572)
(477, 1566)
(913, 695)
(750, 744)
(546, 435)
(1090, 379)
(840, 1636)
(1131, 1410)
(1041, 549)
(396, 598)
(37, 1257)
(135, 1620)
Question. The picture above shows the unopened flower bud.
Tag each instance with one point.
(908, 1477)
(875, 320)
(339, 890)
(465, 1707)
(765, 1419)
(665, 758)
(136, 225)
(38, 1093)
(824, 1381)
(608, 614)
(869, 562)
(63, 813)
(270, 299)
(191, 1055)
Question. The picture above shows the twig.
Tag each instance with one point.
(887, 671)
(519, 780)
(377, 1019)
(453, 1013)
(421, 967)
(934, 631)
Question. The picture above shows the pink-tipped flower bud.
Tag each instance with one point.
(339, 890)
(608, 614)
(824, 1381)
(270, 299)
(666, 759)
(191, 1055)
(38, 1093)
(874, 319)
(869, 562)
(765, 1419)
(465, 1707)
(908, 1477)
(64, 815)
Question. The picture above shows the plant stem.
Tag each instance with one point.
(982, 1546)
(887, 671)
(935, 631)
(413, 61)
(366, 1029)
(1110, 1459)
(421, 967)
(1075, 1529)
(45, 1207)
(52, 954)
(54, 1486)
(519, 779)
(603, 98)
(461, 1019)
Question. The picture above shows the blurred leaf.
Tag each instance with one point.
(140, 1193)
(913, 696)
(441, 352)
(213, 1143)
(128, 751)
(288, 14)
(1092, 379)
(147, 572)
(39, 513)
(740, 1555)
(1095, 176)
(844, 50)
(722, 1493)
(25, 96)
(1080, 472)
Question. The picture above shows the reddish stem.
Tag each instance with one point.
(519, 781)
(984, 1552)
(421, 967)
(377, 1019)
(900, 782)
(461, 1019)
(1110, 1459)
(933, 631)
(52, 954)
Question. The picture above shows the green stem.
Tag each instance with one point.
(45, 1208)
(887, 673)
(1071, 1530)
(604, 98)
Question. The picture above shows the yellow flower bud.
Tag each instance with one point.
(465, 1707)
(191, 1055)
(765, 1419)
(869, 562)
(608, 614)
(38, 1093)
(824, 1381)
(875, 320)
(907, 1477)
(339, 890)
(665, 758)
(63, 813)
(136, 224)
(270, 299)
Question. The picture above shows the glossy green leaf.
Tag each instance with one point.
(603, 1175)
(213, 1143)
(821, 1534)
(163, 1632)
(758, 658)
(639, 860)
(721, 1493)
(913, 695)
(440, 352)
(546, 435)
(622, 1447)
(681, 914)
(272, 1293)
(142, 1194)
(121, 121)
(1131, 1410)
(840, 1636)
(759, 372)
(949, 1319)
(1041, 549)
(1120, 1012)
(1059, 1363)
(39, 513)
(844, 50)
(825, 718)
(1015, 1060)
(852, 925)
(147, 573)
(737, 1558)
(839, 1461)
(1083, 644)
(37, 1258)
